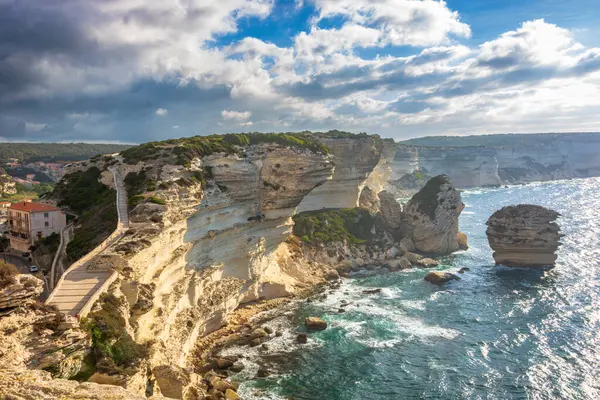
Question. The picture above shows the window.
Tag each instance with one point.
(45, 215)
(46, 224)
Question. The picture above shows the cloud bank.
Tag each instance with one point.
(133, 71)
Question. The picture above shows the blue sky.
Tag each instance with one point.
(131, 71)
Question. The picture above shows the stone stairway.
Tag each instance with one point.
(78, 288)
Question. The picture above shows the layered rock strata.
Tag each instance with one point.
(355, 159)
(524, 236)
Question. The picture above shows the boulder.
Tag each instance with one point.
(524, 236)
(171, 380)
(369, 200)
(439, 277)
(391, 210)
(302, 338)
(413, 258)
(315, 324)
(431, 217)
(427, 263)
(463, 270)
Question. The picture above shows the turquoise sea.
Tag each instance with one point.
(498, 333)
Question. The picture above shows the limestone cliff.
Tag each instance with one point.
(502, 159)
(431, 217)
(355, 158)
(524, 236)
(466, 166)
(406, 160)
(210, 222)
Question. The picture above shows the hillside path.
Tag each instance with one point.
(78, 288)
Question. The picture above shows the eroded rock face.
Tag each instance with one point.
(391, 210)
(355, 159)
(25, 288)
(524, 236)
(369, 200)
(431, 217)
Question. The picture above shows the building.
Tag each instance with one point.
(28, 222)
(30, 177)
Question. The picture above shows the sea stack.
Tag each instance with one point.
(431, 217)
(524, 236)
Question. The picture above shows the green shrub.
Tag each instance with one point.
(135, 200)
(109, 337)
(135, 183)
(157, 200)
(327, 226)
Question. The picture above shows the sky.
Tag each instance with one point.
(134, 71)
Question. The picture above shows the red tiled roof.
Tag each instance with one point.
(32, 207)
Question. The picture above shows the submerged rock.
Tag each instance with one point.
(302, 338)
(439, 277)
(524, 236)
(431, 217)
(315, 324)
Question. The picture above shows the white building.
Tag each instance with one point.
(28, 222)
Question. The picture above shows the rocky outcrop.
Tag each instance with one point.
(39, 385)
(440, 278)
(391, 211)
(23, 289)
(355, 158)
(315, 324)
(35, 336)
(369, 200)
(7, 185)
(524, 236)
(431, 217)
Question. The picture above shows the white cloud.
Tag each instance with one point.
(175, 127)
(401, 22)
(162, 112)
(535, 42)
(236, 115)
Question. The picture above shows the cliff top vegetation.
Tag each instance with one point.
(183, 150)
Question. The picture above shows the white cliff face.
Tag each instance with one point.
(560, 156)
(382, 172)
(215, 247)
(355, 159)
(406, 160)
(466, 166)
